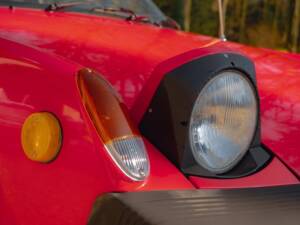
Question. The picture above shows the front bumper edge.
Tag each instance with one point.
(254, 206)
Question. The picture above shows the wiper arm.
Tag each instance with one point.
(56, 6)
(170, 23)
(132, 16)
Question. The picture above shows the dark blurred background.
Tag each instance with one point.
(264, 23)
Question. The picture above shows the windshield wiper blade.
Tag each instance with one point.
(56, 6)
(132, 16)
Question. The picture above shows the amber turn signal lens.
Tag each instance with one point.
(41, 137)
(112, 122)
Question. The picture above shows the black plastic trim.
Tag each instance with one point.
(257, 206)
(166, 121)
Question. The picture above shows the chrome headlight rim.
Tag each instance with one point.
(243, 76)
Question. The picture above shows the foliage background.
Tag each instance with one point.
(265, 23)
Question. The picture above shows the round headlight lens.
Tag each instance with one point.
(223, 121)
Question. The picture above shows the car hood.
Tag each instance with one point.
(278, 80)
(127, 54)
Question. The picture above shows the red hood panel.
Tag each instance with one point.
(127, 54)
(278, 78)
(279, 85)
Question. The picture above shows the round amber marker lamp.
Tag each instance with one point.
(41, 137)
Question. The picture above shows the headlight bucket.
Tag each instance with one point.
(166, 122)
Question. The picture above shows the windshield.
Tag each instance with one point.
(139, 7)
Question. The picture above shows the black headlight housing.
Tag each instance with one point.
(166, 121)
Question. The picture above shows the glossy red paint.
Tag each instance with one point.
(275, 174)
(279, 90)
(133, 57)
(62, 191)
(125, 52)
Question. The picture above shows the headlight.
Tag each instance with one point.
(223, 121)
(204, 117)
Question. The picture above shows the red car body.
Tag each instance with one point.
(40, 55)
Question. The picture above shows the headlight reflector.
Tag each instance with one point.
(223, 121)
